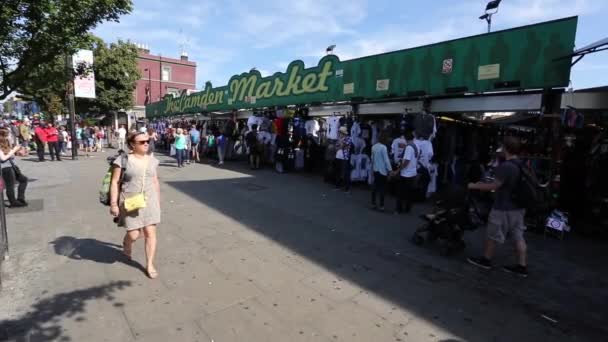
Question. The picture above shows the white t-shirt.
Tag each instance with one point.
(397, 149)
(254, 120)
(425, 151)
(122, 133)
(65, 135)
(312, 128)
(333, 126)
(412, 166)
(264, 137)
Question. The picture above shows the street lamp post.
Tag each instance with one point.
(149, 94)
(491, 9)
(69, 66)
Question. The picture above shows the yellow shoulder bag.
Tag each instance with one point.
(138, 201)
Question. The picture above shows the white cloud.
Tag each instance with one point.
(280, 21)
(522, 12)
(390, 39)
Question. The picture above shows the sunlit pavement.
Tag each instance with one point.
(257, 256)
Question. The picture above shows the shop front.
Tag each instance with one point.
(461, 97)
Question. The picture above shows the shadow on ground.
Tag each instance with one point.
(42, 322)
(297, 221)
(92, 250)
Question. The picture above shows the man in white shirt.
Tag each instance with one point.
(407, 175)
(397, 149)
(122, 137)
(425, 148)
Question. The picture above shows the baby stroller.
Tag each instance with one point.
(457, 211)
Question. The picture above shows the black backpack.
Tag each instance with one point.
(423, 176)
(526, 192)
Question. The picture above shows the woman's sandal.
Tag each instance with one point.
(152, 274)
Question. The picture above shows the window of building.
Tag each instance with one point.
(173, 92)
(166, 73)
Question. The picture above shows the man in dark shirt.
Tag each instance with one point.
(506, 218)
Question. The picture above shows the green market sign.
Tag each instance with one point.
(519, 58)
(252, 87)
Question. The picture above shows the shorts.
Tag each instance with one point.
(504, 223)
(91, 142)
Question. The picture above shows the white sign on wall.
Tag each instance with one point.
(382, 85)
(84, 85)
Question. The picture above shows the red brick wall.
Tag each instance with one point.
(183, 76)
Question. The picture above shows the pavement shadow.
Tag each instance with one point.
(334, 235)
(92, 250)
(42, 322)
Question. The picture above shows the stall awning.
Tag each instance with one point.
(391, 108)
(504, 103)
(329, 110)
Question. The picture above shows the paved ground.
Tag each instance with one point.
(264, 257)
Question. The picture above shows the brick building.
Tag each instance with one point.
(160, 76)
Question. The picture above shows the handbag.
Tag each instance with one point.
(138, 201)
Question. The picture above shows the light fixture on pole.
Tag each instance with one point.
(491, 9)
(330, 50)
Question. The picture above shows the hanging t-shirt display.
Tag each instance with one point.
(355, 130)
(254, 120)
(333, 126)
(424, 125)
(281, 126)
(312, 128)
(265, 124)
(374, 128)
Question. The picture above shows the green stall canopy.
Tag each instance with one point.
(520, 58)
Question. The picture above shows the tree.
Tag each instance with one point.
(116, 74)
(53, 106)
(34, 33)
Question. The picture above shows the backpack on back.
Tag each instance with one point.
(104, 191)
(526, 192)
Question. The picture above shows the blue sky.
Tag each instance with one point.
(231, 36)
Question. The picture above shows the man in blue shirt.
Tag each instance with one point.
(195, 139)
(382, 168)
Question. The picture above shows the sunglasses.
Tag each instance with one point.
(143, 142)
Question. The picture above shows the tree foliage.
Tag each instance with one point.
(34, 33)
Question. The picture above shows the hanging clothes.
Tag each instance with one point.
(333, 127)
(312, 128)
(355, 131)
(361, 168)
(424, 125)
(374, 127)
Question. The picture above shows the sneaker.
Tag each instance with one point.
(519, 270)
(481, 262)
